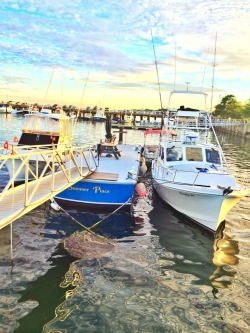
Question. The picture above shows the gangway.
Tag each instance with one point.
(61, 168)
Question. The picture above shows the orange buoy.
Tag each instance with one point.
(140, 189)
(6, 145)
(15, 139)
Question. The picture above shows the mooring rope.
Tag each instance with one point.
(97, 223)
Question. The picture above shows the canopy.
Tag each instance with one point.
(154, 131)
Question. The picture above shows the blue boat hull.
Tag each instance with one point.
(98, 193)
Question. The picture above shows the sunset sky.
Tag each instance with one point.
(92, 52)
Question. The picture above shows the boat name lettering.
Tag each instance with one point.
(97, 189)
(187, 194)
(78, 189)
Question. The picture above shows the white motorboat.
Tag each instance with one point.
(40, 131)
(99, 116)
(6, 108)
(190, 173)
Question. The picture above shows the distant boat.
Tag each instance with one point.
(86, 116)
(39, 130)
(5, 108)
(46, 111)
(17, 112)
(99, 116)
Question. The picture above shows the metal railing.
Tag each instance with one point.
(31, 165)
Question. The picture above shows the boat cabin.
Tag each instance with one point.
(45, 129)
(190, 154)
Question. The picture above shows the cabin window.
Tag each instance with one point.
(174, 154)
(212, 156)
(194, 154)
(41, 124)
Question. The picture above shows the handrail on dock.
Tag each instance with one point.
(46, 172)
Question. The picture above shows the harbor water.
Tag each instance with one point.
(166, 274)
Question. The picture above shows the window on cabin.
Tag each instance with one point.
(174, 154)
(213, 156)
(194, 154)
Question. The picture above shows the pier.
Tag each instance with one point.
(62, 167)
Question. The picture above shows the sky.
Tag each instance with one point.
(126, 54)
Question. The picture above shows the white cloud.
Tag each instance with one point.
(113, 38)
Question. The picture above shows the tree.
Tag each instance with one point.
(246, 110)
(229, 107)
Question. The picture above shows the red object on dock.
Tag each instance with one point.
(6, 145)
(140, 189)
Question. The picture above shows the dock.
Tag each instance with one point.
(64, 167)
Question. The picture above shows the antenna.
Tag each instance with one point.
(187, 83)
(175, 66)
(80, 104)
(212, 92)
(156, 69)
(48, 87)
(205, 67)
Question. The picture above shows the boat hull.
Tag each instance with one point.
(14, 166)
(206, 206)
(101, 193)
(98, 119)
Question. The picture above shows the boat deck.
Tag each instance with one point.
(118, 169)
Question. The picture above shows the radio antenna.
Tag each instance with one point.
(212, 92)
(175, 66)
(158, 80)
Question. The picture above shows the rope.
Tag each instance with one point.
(94, 225)
(97, 223)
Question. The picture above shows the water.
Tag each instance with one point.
(165, 275)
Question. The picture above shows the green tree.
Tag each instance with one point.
(246, 110)
(229, 107)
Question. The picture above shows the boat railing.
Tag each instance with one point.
(170, 175)
(73, 163)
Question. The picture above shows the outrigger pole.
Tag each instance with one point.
(158, 80)
(212, 92)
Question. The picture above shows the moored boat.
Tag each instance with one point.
(190, 173)
(6, 108)
(99, 116)
(112, 184)
(40, 131)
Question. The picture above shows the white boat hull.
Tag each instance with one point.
(18, 172)
(207, 206)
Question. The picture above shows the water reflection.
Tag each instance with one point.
(225, 256)
(72, 279)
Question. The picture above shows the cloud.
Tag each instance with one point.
(111, 38)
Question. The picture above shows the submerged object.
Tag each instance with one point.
(88, 246)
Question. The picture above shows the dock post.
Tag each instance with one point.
(120, 135)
